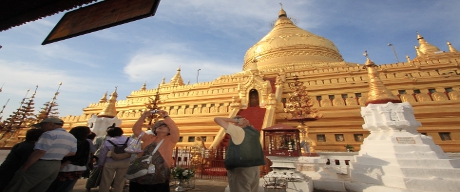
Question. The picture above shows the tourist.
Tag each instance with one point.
(90, 139)
(244, 154)
(90, 164)
(18, 156)
(73, 167)
(167, 131)
(43, 165)
(113, 170)
(95, 174)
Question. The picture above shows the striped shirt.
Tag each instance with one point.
(57, 144)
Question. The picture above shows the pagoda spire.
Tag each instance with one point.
(417, 50)
(28, 116)
(282, 13)
(52, 103)
(144, 86)
(110, 109)
(425, 47)
(408, 58)
(1, 112)
(378, 93)
(451, 48)
(153, 104)
(163, 81)
(104, 98)
(14, 118)
(177, 79)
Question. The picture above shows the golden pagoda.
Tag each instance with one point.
(110, 108)
(429, 82)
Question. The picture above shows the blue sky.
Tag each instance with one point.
(211, 35)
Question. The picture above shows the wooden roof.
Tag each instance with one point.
(17, 12)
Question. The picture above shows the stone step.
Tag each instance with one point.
(407, 155)
(408, 163)
(400, 148)
(396, 171)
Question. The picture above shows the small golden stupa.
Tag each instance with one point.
(378, 93)
(110, 109)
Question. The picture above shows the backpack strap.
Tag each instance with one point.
(112, 143)
(126, 142)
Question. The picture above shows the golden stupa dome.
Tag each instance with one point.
(287, 43)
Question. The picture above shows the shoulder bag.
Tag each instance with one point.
(142, 166)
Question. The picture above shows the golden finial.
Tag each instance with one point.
(418, 35)
(378, 93)
(104, 98)
(1, 87)
(163, 81)
(110, 108)
(144, 86)
(114, 94)
(408, 58)
(282, 12)
(451, 49)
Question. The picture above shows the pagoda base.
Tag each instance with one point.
(395, 155)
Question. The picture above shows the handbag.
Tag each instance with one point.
(94, 178)
(135, 145)
(142, 166)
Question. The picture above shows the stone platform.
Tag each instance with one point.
(201, 185)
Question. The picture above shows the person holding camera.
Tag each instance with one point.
(166, 135)
(244, 154)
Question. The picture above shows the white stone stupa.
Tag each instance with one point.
(395, 157)
(106, 118)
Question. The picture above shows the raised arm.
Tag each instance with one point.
(137, 127)
(173, 129)
(223, 121)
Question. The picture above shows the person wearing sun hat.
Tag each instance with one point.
(43, 165)
(166, 135)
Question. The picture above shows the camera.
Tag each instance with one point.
(154, 111)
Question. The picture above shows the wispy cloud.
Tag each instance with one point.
(19, 76)
(153, 68)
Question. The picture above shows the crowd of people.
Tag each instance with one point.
(52, 159)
